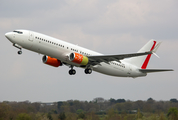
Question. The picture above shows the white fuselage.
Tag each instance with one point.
(60, 50)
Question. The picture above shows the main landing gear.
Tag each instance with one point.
(88, 71)
(73, 72)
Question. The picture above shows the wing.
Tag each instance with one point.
(107, 58)
(154, 70)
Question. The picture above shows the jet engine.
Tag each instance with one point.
(51, 61)
(78, 58)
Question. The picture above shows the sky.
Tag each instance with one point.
(105, 26)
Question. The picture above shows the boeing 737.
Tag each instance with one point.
(58, 52)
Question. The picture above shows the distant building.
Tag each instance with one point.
(46, 104)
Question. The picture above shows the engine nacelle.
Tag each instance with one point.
(51, 61)
(78, 58)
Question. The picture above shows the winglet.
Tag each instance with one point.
(155, 49)
(156, 55)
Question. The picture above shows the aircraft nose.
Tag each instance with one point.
(8, 35)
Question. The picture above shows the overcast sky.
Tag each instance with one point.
(105, 26)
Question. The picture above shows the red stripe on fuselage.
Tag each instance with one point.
(148, 57)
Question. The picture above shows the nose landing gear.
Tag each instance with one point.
(19, 47)
(19, 52)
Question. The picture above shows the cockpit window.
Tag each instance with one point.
(18, 32)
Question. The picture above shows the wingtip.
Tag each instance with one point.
(156, 47)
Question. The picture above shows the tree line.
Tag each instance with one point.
(97, 109)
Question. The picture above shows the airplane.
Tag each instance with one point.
(58, 52)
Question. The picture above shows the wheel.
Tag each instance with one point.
(72, 72)
(88, 71)
(19, 52)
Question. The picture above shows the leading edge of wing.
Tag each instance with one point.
(154, 70)
(108, 58)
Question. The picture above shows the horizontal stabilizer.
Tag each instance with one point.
(154, 70)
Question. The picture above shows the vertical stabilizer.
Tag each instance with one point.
(142, 61)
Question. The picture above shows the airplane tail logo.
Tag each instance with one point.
(142, 61)
(148, 57)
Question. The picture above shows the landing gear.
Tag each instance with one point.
(88, 71)
(19, 47)
(19, 52)
(72, 72)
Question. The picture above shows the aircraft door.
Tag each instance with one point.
(31, 36)
(130, 70)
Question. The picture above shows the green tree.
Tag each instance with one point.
(62, 116)
(81, 114)
(173, 100)
(23, 116)
(92, 116)
(65, 107)
(162, 117)
(112, 115)
(112, 100)
(49, 116)
(172, 113)
(59, 104)
(79, 111)
(4, 110)
(139, 114)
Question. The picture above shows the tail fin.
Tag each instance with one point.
(142, 61)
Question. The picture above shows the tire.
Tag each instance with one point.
(72, 72)
(88, 71)
(19, 52)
